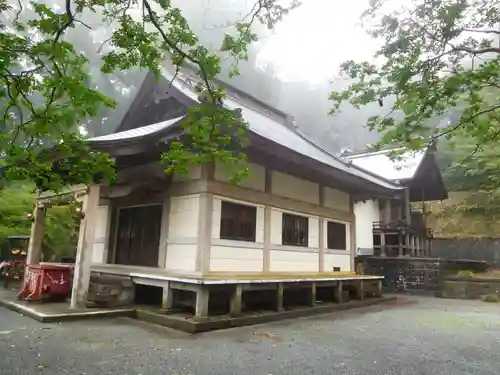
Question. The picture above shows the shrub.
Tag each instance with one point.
(465, 273)
(491, 298)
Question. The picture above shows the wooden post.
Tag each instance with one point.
(36, 236)
(321, 233)
(321, 263)
(236, 301)
(204, 243)
(407, 206)
(382, 244)
(81, 278)
(162, 251)
(407, 245)
(266, 251)
(400, 245)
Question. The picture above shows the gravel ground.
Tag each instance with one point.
(417, 336)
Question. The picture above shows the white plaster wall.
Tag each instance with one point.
(256, 178)
(294, 188)
(338, 260)
(181, 257)
(183, 218)
(101, 235)
(347, 235)
(194, 173)
(216, 216)
(336, 199)
(313, 240)
(236, 259)
(294, 261)
(182, 233)
(366, 213)
(276, 226)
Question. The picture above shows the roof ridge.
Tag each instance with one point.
(237, 95)
(384, 152)
(314, 143)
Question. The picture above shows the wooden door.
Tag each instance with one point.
(138, 238)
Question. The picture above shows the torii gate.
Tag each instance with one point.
(89, 197)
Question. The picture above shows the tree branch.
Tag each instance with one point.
(465, 121)
(497, 32)
(478, 148)
(177, 49)
(68, 23)
(476, 51)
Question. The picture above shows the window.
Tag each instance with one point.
(295, 230)
(238, 222)
(336, 233)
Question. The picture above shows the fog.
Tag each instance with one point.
(305, 99)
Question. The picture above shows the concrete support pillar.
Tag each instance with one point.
(279, 297)
(379, 288)
(36, 236)
(338, 291)
(360, 290)
(81, 278)
(235, 308)
(202, 298)
(312, 297)
(167, 300)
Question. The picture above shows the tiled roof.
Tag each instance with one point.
(267, 127)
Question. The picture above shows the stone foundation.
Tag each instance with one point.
(470, 287)
(415, 275)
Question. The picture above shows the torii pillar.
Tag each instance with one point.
(34, 254)
(81, 278)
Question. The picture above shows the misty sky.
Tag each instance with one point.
(301, 55)
(315, 38)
